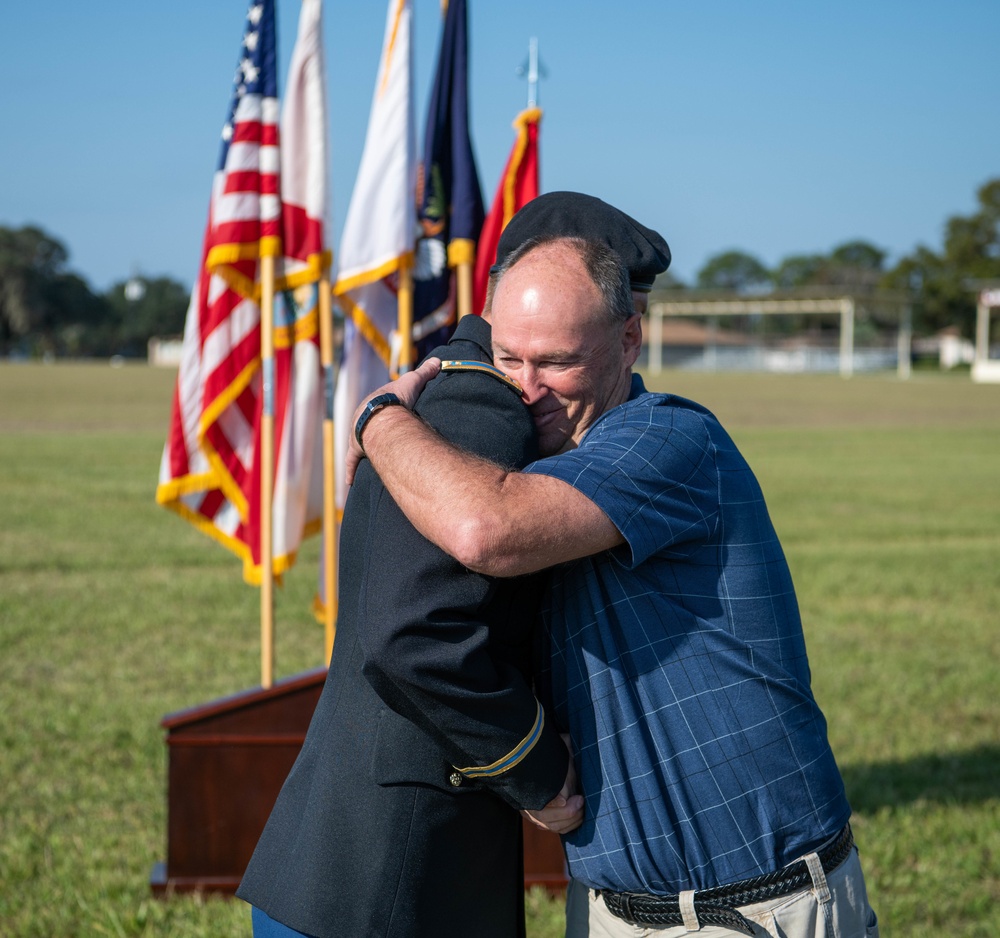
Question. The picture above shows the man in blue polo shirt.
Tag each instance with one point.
(677, 664)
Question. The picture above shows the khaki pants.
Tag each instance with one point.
(836, 906)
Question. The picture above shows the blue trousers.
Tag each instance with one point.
(266, 927)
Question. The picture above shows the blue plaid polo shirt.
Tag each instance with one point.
(678, 664)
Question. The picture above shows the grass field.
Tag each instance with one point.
(114, 612)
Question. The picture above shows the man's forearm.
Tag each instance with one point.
(493, 521)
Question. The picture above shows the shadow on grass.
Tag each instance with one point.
(949, 778)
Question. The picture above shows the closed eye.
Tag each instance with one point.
(558, 364)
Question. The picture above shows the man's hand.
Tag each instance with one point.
(564, 813)
(407, 388)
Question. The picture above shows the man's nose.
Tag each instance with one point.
(532, 390)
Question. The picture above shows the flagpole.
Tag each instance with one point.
(329, 479)
(462, 257)
(267, 472)
(463, 278)
(404, 321)
(532, 72)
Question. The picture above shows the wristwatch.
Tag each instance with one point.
(374, 405)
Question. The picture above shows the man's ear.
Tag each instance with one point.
(632, 339)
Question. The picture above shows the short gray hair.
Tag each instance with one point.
(605, 268)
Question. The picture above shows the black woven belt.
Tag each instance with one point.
(717, 905)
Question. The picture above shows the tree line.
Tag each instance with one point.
(940, 282)
(46, 309)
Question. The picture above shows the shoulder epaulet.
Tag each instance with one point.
(483, 367)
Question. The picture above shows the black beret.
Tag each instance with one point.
(575, 215)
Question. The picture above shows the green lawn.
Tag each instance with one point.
(114, 612)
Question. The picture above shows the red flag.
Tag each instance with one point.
(518, 186)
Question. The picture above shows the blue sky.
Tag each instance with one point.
(776, 127)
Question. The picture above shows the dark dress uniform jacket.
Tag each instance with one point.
(375, 833)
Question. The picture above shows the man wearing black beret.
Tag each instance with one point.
(677, 663)
(398, 818)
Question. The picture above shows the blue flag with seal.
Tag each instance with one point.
(449, 199)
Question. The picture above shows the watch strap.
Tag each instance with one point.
(371, 408)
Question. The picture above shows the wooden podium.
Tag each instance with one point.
(221, 787)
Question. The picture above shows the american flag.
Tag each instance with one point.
(210, 470)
